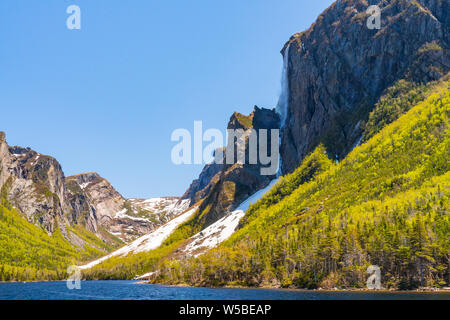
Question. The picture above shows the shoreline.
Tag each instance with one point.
(445, 290)
(343, 290)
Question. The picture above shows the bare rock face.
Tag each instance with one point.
(4, 159)
(222, 187)
(103, 199)
(96, 203)
(338, 69)
(35, 184)
(200, 187)
(335, 72)
(81, 210)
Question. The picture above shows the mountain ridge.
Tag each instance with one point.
(36, 186)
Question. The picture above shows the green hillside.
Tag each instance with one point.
(385, 204)
(28, 253)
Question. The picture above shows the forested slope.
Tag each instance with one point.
(385, 204)
(28, 253)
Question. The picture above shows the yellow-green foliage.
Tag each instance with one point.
(132, 265)
(28, 253)
(385, 204)
(245, 121)
(398, 99)
(128, 267)
(95, 247)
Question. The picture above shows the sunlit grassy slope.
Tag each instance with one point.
(385, 204)
(28, 253)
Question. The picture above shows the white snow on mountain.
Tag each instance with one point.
(158, 206)
(150, 241)
(122, 215)
(222, 229)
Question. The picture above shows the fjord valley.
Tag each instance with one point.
(363, 180)
(50, 221)
(365, 167)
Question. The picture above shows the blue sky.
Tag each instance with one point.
(106, 98)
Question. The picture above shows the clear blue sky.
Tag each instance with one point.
(107, 98)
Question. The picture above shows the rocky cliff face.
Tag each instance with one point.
(35, 184)
(335, 72)
(338, 69)
(222, 187)
(100, 204)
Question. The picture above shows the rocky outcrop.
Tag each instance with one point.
(334, 74)
(338, 69)
(200, 187)
(35, 184)
(100, 197)
(222, 187)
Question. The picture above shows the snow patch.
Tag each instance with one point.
(84, 185)
(158, 206)
(222, 229)
(148, 242)
(144, 276)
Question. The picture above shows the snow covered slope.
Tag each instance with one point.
(163, 208)
(223, 228)
(198, 244)
(150, 241)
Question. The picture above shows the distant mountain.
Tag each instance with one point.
(35, 185)
(126, 219)
(80, 217)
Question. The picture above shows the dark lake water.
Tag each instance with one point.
(128, 290)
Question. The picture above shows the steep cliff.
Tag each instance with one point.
(35, 184)
(222, 187)
(337, 70)
(96, 198)
(385, 204)
(327, 221)
(102, 205)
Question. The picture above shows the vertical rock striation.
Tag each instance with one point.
(36, 185)
(338, 69)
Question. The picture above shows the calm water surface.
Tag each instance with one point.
(128, 290)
